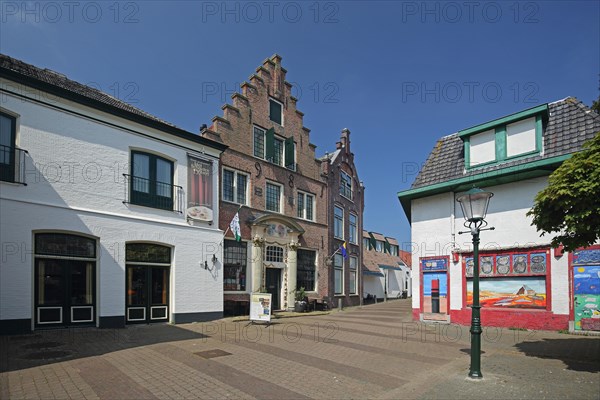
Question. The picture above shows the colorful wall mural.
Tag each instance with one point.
(517, 292)
(586, 297)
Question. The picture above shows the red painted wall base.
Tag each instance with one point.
(503, 318)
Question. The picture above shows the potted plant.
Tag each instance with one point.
(300, 303)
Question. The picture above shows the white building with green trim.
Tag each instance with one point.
(512, 157)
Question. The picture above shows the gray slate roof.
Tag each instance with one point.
(570, 124)
(61, 81)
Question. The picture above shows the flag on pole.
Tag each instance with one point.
(234, 225)
(343, 250)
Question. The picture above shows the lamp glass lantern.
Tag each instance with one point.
(474, 204)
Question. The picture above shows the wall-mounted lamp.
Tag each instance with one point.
(214, 258)
(205, 264)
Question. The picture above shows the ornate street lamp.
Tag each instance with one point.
(474, 204)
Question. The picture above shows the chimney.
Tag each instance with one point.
(345, 139)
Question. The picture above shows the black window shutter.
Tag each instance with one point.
(289, 153)
(270, 145)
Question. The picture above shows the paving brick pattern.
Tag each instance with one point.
(373, 352)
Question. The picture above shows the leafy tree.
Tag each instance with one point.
(570, 204)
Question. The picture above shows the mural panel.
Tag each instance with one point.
(513, 292)
(586, 297)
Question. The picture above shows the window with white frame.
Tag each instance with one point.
(346, 185)
(353, 234)
(366, 244)
(276, 111)
(274, 197)
(276, 150)
(379, 246)
(394, 250)
(338, 222)
(259, 142)
(235, 186)
(274, 254)
(353, 278)
(338, 272)
(305, 207)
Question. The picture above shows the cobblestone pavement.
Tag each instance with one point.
(373, 352)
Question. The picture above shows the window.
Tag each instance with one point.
(7, 147)
(338, 222)
(275, 111)
(259, 142)
(151, 181)
(394, 250)
(520, 137)
(366, 244)
(338, 273)
(305, 276)
(353, 234)
(276, 150)
(379, 246)
(235, 186)
(274, 254)
(200, 183)
(306, 205)
(273, 197)
(505, 138)
(234, 270)
(482, 147)
(346, 185)
(353, 278)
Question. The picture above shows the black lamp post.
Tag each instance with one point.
(474, 204)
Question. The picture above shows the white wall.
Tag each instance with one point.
(432, 235)
(74, 183)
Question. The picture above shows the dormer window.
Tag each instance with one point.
(518, 135)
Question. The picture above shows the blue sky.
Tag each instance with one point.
(398, 74)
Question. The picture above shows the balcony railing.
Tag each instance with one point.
(155, 194)
(12, 164)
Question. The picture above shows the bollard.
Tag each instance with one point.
(340, 305)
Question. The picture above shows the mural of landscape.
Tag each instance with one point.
(586, 285)
(525, 292)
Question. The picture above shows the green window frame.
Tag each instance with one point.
(8, 137)
(151, 183)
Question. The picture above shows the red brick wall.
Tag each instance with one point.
(235, 129)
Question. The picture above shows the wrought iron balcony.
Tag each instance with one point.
(151, 193)
(12, 164)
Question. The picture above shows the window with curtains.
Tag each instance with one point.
(200, 188)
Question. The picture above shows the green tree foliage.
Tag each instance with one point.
(570, 204)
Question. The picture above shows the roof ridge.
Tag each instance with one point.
(18, 66)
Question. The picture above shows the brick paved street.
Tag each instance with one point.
(371, 352)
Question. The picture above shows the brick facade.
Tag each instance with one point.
(250, 109)
(334, 163)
